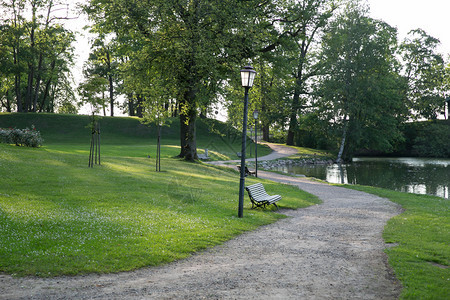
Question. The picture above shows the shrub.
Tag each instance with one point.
(21, 137)
(433, 141)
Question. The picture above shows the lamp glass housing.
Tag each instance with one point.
(247, 76)
(255, 114)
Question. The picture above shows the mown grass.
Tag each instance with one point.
(420, 255)
(59, 217)
(309, 153)
(127, 136)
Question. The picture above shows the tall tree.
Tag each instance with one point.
(361, 94)
(284, 35)
(301, 24)
(424, 70)
(103, 62)
(92, 92)
(269, 95)
(191, 43)
(38, 53)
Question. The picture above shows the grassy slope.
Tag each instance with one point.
(421, 234)
(59, 217)
(59, 131)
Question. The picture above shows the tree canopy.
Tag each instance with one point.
(328, 75)
(360, 92)
(37, 54)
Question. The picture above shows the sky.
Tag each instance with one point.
(429, 15)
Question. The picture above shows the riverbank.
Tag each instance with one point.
(273, 164)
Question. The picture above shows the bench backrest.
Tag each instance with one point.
(257, 190)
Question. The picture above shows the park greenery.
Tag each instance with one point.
(60, 217)
(329, 75)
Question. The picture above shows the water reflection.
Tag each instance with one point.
(412, 175)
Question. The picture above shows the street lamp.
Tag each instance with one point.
(448, 107)
(247, 77)
(255, 116)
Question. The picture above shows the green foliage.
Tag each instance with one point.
(424, 139)
(92, 92)
(433, 141)
(315, 132)
(36, 54)
(101, 70)
(360, 96)
(304, 22)
(424, 73)
(268, 95)
(180, 50)
(58, 216)
(420, 254)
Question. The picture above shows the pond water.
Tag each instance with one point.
(412, 175)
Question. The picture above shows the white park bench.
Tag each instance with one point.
(259, 197)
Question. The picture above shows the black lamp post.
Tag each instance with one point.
(448, 107)
(247, 77)
(255, 116)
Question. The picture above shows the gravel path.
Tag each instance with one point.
(329, 251)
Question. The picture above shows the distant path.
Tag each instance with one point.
(278, 151)
(329, 251)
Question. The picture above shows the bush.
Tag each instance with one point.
(433, 141)
(21, 137)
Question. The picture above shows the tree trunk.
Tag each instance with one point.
(47, 87)
(188, 116)
(18, 93)
(38, 83)
(187, 137)
(9, 99)
(45, 97)
(111, 95)
(17, 79)
(131, 110)
(29, 95)
(293, 125)
(41, 59)
(265, 132)
(342, 146)
(139, 110)
(103, 101)
(52, 98)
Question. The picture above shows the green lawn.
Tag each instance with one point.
(59, 217)
(420, 255)
(126, 136)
